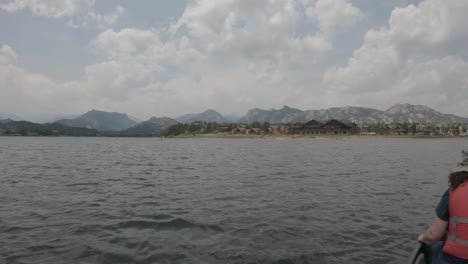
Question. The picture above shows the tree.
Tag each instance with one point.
(23, 132)
(405, 127)
(256, 124)
(193, 128)
(413, 128)
(43, 132)
(456, 130)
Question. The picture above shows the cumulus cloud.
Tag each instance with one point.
(442, 82)
(334, 15)
(242, 28)
(263, 28)
(20, 88)
(50, 8)
(234, 55)
(417, 57)
(31, 94)
(141, 57)
(126, 42)
(101, 20)
(78, 11)
(218, 53)
(7, 55)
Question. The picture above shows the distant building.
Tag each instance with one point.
(254, 131)
(329, 127)
(249, 131)
(279, 129)
(428, 131)
(238, 130)
(400, 131)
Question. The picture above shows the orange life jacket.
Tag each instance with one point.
(457, 240)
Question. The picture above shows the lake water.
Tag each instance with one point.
(121, 200)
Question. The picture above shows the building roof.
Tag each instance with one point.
(313, 123)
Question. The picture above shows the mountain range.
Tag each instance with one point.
(107, 123)
(125, 126)
(398, 113)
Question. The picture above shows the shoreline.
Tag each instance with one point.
(270, 137)
(312, 137)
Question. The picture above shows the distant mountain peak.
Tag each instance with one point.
(151, 127)
(101, 120)
(287, 108)
(404, 108)
(209, 115)
(94, 111)
(10, 116)
(283, 115)
(158, 119)
(4, 121)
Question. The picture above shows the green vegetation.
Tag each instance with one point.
(201, 128)
(406, 128)
(24, 128)
(192, 129)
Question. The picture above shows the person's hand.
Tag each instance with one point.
(421, 238)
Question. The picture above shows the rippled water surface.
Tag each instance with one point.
(113, 200)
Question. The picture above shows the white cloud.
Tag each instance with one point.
(27, 93)
(50, 8)
(247, 28)
(418, 57)
(233, 55)
(442, 82)
(141, 56)
(7, 55)
(19, 88)
(79, 12)
(263, 28)
(219, 53)
(127, 42)
(334, 15)
(101, 20)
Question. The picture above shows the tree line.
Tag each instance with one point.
(412, 128)
(209, 128)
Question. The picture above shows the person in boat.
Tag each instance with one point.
(452, 219)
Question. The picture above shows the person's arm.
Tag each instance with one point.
(435, 233)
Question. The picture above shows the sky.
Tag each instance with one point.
(167, 58)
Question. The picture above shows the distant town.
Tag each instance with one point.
(313, 127)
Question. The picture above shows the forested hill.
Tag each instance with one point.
(101, 121)
(25, 128)
(149, 128)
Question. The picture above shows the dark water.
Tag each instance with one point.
(111, 200)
